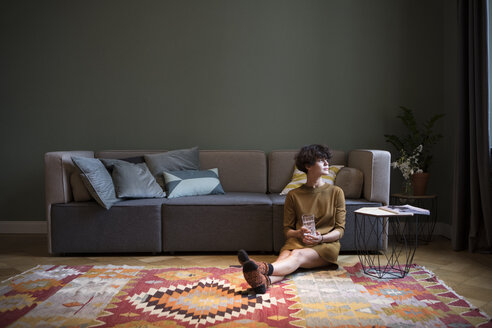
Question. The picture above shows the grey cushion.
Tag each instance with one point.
(174, 160)
(97, 180)
(133, 180)
(135, 159)
(350, 180)
(192, 183)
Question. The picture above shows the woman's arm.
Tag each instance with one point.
(290, 218)
(296, 233)
(340, 213)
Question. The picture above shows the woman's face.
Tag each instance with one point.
(319, 168)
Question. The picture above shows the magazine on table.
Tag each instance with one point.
(405, 209)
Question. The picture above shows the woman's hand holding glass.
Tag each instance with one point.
(309, 234)
(308, 238)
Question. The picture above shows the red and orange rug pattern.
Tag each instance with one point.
(130, 296)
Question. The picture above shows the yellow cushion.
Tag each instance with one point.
(299, 178)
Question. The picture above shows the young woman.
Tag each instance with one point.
(303, 249)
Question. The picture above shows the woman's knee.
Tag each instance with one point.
(299, 255)
(308, 258)
(283, 255)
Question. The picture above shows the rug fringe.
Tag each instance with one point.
(146, 266)
(20, 274)
(473, 307)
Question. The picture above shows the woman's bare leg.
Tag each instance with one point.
(290, 261)
(283, 255)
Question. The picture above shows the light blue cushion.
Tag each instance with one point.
(192, 183)
(97, 180)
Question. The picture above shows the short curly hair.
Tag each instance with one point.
(308, 155)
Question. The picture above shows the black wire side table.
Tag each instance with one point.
(394, 259)
(427, 223)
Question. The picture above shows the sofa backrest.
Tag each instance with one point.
(239, 170)
(281, 166)
(119, 154)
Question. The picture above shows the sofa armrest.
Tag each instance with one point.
(57, 169)
(375, 165)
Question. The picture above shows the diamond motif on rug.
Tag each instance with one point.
(205, 301)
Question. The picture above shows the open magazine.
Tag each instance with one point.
(405, 209)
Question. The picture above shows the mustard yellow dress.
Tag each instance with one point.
(327, 203)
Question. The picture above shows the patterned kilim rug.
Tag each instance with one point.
(123, 296)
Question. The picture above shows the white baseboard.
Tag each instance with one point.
(23, 227)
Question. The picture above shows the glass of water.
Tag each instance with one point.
(308, 222)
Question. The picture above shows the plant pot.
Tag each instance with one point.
(419, 183)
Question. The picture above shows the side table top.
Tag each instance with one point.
(376, 211)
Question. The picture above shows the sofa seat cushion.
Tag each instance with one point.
(277, 199)
(280, 200)
(85, 227)
(348, 242)
(224, 228)
(229, 198)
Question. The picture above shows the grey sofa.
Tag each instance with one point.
(248, 215)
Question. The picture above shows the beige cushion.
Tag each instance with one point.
(350, 180)
(79, 190)
(281, 164)
(299, 178)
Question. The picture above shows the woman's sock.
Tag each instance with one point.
(257, 280)
(242, 256)
(265, 268)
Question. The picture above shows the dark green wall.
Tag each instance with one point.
(218, 74)
(490, 70)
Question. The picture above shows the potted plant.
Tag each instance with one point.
(415, 150)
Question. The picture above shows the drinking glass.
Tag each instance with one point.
(308, 222)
